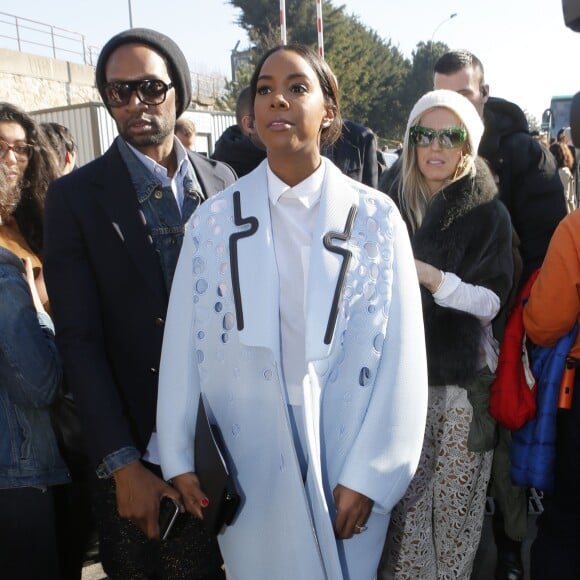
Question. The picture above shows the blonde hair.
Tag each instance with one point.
(413, 193)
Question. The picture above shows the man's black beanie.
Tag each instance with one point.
(177, 65)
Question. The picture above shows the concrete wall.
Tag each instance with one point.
(56, 90)
(37, 82)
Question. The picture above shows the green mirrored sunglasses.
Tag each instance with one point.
(448, 138)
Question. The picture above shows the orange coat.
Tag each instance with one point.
(554, 303)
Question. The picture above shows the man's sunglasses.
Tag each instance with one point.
(149, 92)
(449, 138)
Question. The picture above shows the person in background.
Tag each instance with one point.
(239, 145)
(75, 525)
(355, 153)
(531, 189)
(541, 138)
(550, 313)
(565, 155)
(185, 131)
(30, 166)
(563, 136)
(114, 228)
(461, 238)
(306, 340)
(30, 464)
(63, 144)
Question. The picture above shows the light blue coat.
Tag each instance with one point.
(365, 396)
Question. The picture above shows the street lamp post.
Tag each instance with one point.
(130, 16)
(450, 17)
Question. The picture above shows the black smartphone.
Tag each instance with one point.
(168, 512)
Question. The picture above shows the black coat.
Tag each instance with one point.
(109, 298)
(529, 184)
(355, 153)
(238, 151)
(467, 231)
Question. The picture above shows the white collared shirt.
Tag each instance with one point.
(160, 172)
(477, 300)
(294, 211)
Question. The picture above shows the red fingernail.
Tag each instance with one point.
(204, 502)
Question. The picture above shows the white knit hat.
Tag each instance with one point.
(456, 103)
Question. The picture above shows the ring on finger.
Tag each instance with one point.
(360, 529)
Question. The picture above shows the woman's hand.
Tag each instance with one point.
(352, 511)
(41, 287)
(429, 276)
(36, 299)
(192, 495)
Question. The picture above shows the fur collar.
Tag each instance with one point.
(462, 196)
(467, 231)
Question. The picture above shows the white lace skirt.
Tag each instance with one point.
(435, 529)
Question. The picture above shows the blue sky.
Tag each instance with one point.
(527, 51)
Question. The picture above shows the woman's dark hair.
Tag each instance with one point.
(60, 139)
(563, 155)
(326, 78)
(42, 168)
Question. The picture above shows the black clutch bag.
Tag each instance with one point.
(213, 473)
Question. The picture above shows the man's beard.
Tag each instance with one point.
(161, 129)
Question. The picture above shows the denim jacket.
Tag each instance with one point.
(160, 212)
(30, 371)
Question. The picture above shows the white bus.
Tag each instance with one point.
(558, 115)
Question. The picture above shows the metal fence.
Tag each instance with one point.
(24, 35)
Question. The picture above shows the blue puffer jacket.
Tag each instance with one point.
(30, 372)
(533, 451)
